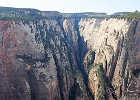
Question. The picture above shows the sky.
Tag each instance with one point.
(72, 6)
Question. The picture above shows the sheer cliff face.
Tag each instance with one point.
(69, 59)
(116, 46)
(106, 39)
(37, 62)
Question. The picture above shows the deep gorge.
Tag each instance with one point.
(69, 58)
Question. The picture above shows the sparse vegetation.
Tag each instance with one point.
(136, 73)
(110, 48)
(7, 13)
(42, 76)
(102, 82)
(130, 16)
(27, 58)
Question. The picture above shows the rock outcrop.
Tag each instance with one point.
(38, 62)
(116, 46)
(69, 59)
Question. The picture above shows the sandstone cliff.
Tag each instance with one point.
(116, 46)
(69, 58)
(38, 63)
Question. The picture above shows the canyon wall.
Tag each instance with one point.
(115, 70)
(39, 61)
(69, 59)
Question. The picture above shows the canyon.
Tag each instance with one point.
(59, 57)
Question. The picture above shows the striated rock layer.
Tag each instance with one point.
(70, 59)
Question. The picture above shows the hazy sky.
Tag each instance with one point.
(108, 6)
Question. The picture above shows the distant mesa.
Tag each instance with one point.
(33, 14)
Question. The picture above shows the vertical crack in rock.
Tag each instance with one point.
(114, 62)
(60, 77)
(34, 90)
(79, 58)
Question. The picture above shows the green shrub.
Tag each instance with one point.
(130, 16)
